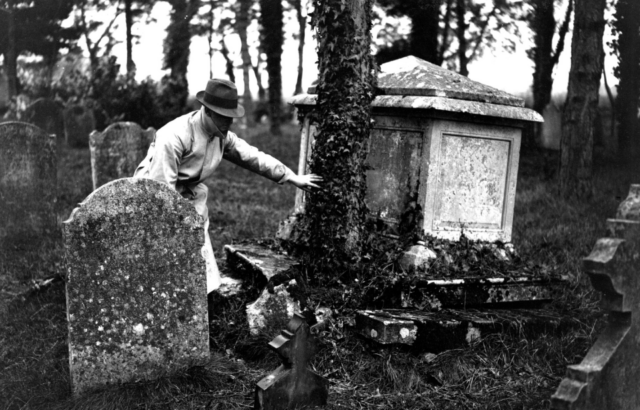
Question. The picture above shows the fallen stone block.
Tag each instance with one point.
(448, 329)
(255, 264)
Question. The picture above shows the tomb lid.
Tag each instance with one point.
(412, 76)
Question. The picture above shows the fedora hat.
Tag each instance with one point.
(221, 96)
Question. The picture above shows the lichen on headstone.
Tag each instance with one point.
(136, 285)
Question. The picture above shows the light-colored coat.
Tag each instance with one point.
(184, 154)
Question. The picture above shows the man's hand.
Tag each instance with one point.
(305, 182)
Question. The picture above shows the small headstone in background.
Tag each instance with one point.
(27, 185)
(551, 128)
(293, 384)
(136, 284)
(4, 91)
(79, 122)
(46, 114)
(117, 151)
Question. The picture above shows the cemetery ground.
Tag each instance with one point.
(513, 370)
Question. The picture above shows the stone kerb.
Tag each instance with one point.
(136, 284)
(117, 151)
(79, 122)
(608, 377)
(27, 183)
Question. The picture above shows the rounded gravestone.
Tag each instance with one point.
(136, 284)
(117, 151)
(27, 185)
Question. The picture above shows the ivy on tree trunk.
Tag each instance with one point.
(334, 222)
(581, 107)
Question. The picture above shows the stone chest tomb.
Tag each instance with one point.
(440, 139)
(136, 284)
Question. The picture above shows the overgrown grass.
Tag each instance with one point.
(502, 371)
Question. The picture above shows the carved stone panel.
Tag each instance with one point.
(471, 181)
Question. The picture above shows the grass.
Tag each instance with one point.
(502, 371)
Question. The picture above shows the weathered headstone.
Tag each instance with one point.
(27, 184)
(4, 91)
(136, 284)
(293, 385)
(79, 122)
(46, 114)
(117, 151)
(551, 129)
(609, 375)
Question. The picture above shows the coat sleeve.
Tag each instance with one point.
(239, 152)
(167, 154)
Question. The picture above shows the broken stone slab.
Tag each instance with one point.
(272, 310)
(607, 378)
(293, 385)
(434, 294)
(448, 329)
(256, 264)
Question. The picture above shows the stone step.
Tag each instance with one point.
(465, 293)
(256, 264)
(449, 329)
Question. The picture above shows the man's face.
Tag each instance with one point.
(222, 122)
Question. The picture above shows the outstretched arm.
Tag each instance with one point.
(305, 182)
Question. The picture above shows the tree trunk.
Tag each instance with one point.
(336, 215)
(242, 23)
(176, 49)
(628, 25)
(302, 23)
(462, 40)
(228, 61)
(271, 15)
(262, 93)
(543, 26)
(424, 30)
(210, 34)
(128, 13)
(581, 107)
(444, 44)
(11, 55)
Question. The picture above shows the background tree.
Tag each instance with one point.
(627, 45)
(271, 40)
(176, 52)
(243, 22)
(543, 26)
(104, 26)
(134, 9)
(457, 34)
(33, 27)
(302, 29)
(580, 110)
(425, 20)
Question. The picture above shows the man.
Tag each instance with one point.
(187, 150)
